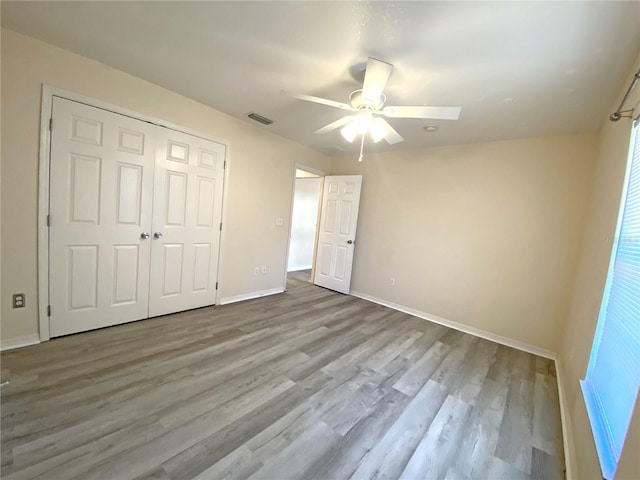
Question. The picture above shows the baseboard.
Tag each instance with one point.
(297, 269)
(567, 430)
(251, 295)
(509, 342)
(17, 342)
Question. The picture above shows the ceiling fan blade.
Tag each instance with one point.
(323, 101)
(375, 79)
(435, 113)
(333, 125)
(390, 135)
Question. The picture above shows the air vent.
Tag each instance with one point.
(260, 118)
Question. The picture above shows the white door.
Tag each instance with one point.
(187, 211)
(101, 184)
(336, 240)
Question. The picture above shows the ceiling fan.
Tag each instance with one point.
(369, 105)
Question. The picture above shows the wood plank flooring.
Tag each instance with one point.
(308, 384)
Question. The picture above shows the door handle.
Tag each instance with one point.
(144, 236)
(157, 235)
(350, 242)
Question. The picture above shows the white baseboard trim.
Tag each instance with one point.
(17, 342)
(297, 269)
(567, 430)
(251, 295)
(509, 342)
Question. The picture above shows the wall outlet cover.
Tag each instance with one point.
(19, 300)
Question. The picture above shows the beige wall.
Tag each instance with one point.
(587, 293)
(261, 175)
(485, 235)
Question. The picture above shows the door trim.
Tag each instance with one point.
(48, 92)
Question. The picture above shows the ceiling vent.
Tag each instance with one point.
(260, 118)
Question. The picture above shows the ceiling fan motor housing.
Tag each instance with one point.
(357, 101)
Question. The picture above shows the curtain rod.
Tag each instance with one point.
(618, 114)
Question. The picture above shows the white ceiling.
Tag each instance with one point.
(517, 69)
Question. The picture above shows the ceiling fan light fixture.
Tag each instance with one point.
(362, 122)
(349, 131)
(377, 132)
(368, 105)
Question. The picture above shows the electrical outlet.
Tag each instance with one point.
(279, 221)
(392, 282)
(256, 271)
(18, 300)
(264, 269)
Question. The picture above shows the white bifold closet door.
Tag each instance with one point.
(115, 182)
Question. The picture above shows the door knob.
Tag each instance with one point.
(144, 236)
(157, 235)
(350, 242)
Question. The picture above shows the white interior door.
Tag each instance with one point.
(100, 203)
(337, 236)
(187, 211)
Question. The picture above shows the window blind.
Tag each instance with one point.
(613, 376)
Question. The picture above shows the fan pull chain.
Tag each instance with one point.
(361, 148)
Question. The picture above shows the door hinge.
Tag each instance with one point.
(48, 310)
(224, 165)
(51, 124)
(48, 220)
(220, 226)
(216, 285)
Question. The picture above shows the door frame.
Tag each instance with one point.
(46, 110)
(321, 174)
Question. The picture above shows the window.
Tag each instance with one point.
(613, 376)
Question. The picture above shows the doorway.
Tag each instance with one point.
(324, 219)
(304, 226)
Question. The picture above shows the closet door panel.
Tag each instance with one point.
(187, 211)
(101, 192)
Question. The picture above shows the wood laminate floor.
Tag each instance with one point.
(308, 384)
